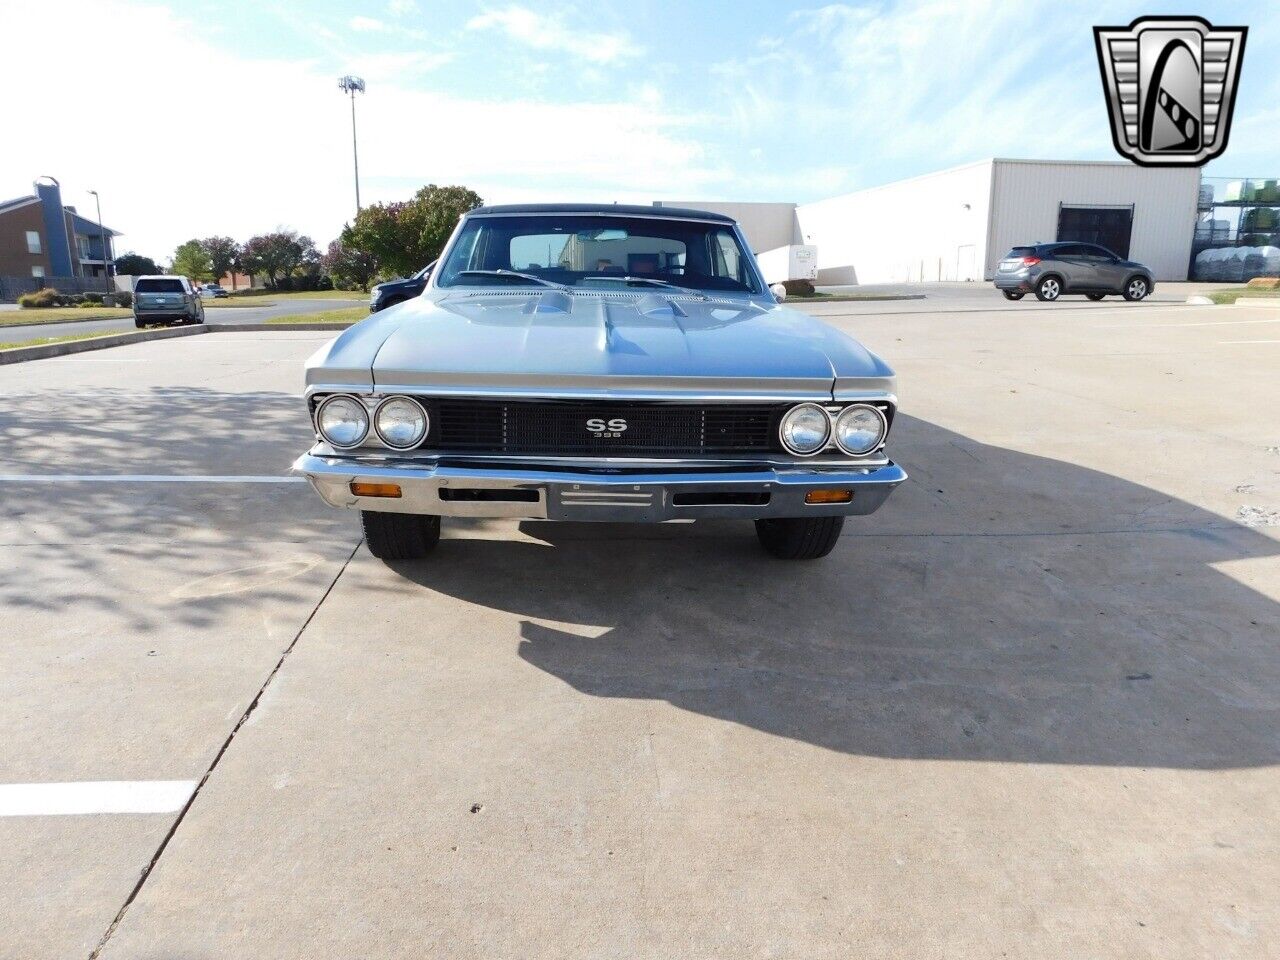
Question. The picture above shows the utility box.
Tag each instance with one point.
(796, 261)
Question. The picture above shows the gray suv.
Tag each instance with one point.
(1051, 269)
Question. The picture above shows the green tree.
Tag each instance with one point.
(135, 265)
(191, 260)
(404, 237)
(224, 255)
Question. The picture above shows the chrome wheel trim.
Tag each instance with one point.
(1137, 288)
(1050, 288)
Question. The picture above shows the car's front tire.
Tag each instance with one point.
(1136, 288)
(807, 538)
(1049, 289)
(400, 536)
(1013, 294)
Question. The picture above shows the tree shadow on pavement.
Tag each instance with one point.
(1001, 607)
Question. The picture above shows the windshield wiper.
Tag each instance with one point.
(653, 280)
(513, 274)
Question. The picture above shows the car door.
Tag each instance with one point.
(1107, 268)
(1076, 267)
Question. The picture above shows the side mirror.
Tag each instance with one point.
(779, 292)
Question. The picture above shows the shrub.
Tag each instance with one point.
(123, 298)
(41, 298)
(799, 288)
(88, 303)
(94, 296)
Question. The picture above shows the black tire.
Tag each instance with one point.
(139, 324)
(1049, 289)
(805, 538)
(400, 536)
(1095, 297)
(1013, 294)
(1136, 288)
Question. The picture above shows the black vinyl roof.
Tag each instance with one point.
(604, 209)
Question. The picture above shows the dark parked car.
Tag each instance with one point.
(1051, 269)
(398, 291)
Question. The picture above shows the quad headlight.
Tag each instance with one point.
(342, 421)
(805, 429)
(400, 422)
(860, 428)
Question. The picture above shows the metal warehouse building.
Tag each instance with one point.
(956, 224)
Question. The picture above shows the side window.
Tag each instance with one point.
(1099, 253)
(725, 257)
(37, 271)
(1068, 251)
(33, 241)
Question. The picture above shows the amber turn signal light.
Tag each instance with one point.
(828, 496)
(375, 489)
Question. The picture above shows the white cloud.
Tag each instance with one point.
(550, 33)
(292, 166)
(366, 25)
(401, 8)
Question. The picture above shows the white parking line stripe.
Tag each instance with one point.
(136, 478)
(104, 796)
(1249, 341)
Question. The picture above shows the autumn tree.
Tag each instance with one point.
(224, 256)
(348, 268)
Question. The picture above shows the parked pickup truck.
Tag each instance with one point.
(165, 299)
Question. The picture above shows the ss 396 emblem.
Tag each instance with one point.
(601, 428)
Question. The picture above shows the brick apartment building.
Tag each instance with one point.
(44, 242)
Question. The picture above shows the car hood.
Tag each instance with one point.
(547, 341)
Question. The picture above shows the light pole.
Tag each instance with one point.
(352, 85)
(106, 265)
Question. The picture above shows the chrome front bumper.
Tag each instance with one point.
(609, 494)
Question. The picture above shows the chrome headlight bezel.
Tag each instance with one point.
(400, 398)
(798, 408)
(319, 420)
(881, 437)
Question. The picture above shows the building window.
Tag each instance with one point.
(33, 241)
(37, 271)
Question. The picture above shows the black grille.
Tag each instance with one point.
(560, 428)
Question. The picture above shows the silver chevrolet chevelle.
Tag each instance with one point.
(614, 363)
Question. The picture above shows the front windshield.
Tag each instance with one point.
(598, 252)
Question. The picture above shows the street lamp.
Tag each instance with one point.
(106, 266)
(352, 85)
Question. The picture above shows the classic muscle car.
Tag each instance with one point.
(612, 363)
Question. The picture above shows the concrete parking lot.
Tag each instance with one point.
(1031, 709)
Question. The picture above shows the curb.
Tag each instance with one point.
(1256, 302)
(46, 350)
(272, 327)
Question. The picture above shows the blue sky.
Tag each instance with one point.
(578, 101)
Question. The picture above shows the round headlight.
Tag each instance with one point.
(860, 429)
(805, 429)
(343, 421)
(400, 422)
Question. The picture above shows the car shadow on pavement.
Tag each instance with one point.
(1001, 607)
